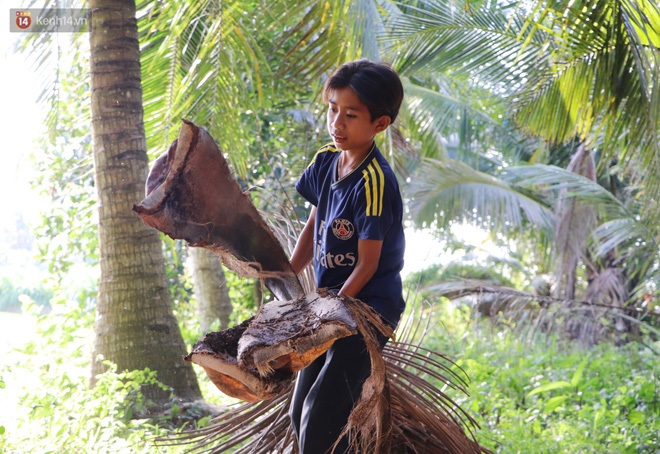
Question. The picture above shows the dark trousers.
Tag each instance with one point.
(326, 392)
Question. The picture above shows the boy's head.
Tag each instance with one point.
(377, 85)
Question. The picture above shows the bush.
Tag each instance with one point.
(55, 411)
(10, 296)
(553, 397)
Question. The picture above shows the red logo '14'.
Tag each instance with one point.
(23, 19)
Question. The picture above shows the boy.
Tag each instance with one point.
(354, 235)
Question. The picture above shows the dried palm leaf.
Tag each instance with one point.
(589, 321)
(184, 202)
(400, 409)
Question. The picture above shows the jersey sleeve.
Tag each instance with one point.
(375, 204)
(307, 184)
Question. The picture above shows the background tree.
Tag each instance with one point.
(579, 85)
(210, 286)
(135, 327)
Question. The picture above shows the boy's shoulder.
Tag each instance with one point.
(384, 166)
(380, 157)
(326, 152)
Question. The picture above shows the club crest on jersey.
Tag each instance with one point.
(342, 229)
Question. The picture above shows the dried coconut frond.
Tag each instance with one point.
(575, 219)
(261, 427)
(370, 423)
(401, 408)
(589, 322)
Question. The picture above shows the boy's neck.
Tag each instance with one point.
(349, 160)
(355, 157)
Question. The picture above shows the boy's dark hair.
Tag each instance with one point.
(376, 84)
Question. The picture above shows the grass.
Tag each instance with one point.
(553, 397)
(550, 395)
(544, 395)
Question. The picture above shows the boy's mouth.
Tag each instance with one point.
(338, 138)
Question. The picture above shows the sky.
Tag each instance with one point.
(20, 123)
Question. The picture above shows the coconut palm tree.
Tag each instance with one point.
(135, 327)
(210, 286)
(558, 67)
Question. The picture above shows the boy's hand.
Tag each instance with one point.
(367, 264)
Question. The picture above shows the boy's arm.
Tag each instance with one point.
(304, 250)
(367, 264)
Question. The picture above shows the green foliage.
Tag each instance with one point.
(548, 395)
(552, 397)
(541, 396)
(10, 294)
(68, 233)
(69, 417)
(56, 411)
(245, 295)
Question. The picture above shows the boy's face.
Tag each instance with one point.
(349, 122)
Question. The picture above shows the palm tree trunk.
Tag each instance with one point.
(210, 287)
(135, 327)
(575, 221)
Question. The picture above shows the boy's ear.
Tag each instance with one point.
(382, 123)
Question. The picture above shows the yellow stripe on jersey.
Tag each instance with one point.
(329, 147)
(367, 190)
(374, 188)
(374, 191)
(382, 187)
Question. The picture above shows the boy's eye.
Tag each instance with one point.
(350, 115)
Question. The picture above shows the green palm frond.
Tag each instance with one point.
(588, 68)
(454, 119)
(446, 109)
(485, 45)
(451, 191)
(367, 21)
(201, 62)
(620, 232)
(321, 35)
(603, 83)
(558, 184)
(57, 59)
(444, 103)
(318, 40)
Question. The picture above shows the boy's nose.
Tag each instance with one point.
(337, 122)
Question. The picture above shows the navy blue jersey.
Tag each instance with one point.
(365, 204)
